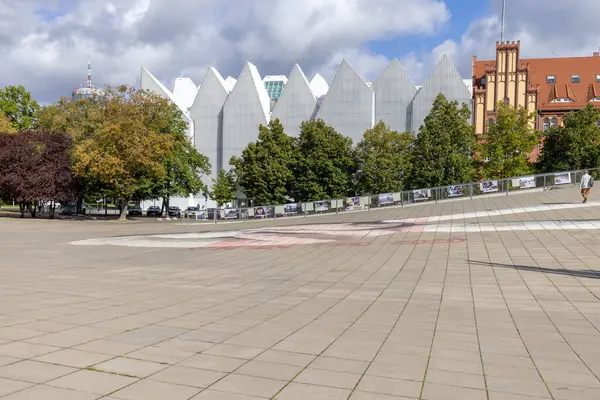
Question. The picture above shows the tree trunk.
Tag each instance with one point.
(79, 204)
(162, 208)
(123, 207)
(22, 208)
(32, 207)
(52, 209)
(166, 200)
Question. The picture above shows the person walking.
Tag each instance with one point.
(586, 186)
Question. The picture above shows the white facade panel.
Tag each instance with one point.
(296, 104)
(207, 114)
(184, 92)
(230, 83)
(394, 93)
(246, 108)
(149, 82)
(319, 86)
(444, 79)
(349, 105)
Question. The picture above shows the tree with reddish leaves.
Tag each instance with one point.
(35, 168)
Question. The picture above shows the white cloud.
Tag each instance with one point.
(546, 28)
(48, 54)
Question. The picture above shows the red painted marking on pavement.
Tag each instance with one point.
(255, 246)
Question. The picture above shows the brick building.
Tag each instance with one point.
(549, 87)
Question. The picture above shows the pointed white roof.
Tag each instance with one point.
(212, 80)
(297, 74)
(251, 72)
(213, 71)
(230, 83)
(149, 82)
(319, 85)
(184, 92)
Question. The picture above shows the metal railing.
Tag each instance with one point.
(495, 187)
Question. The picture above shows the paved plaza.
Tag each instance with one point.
(492, 298)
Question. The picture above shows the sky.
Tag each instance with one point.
(45, 44)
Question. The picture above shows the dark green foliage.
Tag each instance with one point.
(184, 166)
(576, 145)
(324, 164)
(223, 188)
(263, 171)
(383, 160)
(444, 148)
(507, 142)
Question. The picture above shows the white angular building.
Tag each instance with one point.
(224, 114)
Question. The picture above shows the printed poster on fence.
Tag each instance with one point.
(454, 191)
(290, 208)
(489, 186)
(322, 205)
(231, 213)
(527, 182)
(421, 194)
(562, 178)
(261, 212)
(385, 198)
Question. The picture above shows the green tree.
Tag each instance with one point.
(126, 153)
(5, 125)
(263, 171)
(506, 144)
(20, 108)
(443, 150)
(80, 119)
(576, 145)
(184, 166)
(324, 163)
(128, 144)
(223, 188)
(383, 157)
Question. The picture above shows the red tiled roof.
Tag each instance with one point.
(562, 68)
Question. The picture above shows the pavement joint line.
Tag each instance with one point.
(346, 330)
(151, 287)
(513, 320)
(549, 317)
(437, 319)
(310, 298)
(487, 394)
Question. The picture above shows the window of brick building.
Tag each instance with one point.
(546, 124)
(553, 122)
(597, 77)
(550, 79)
(575, 79)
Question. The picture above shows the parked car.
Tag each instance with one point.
(134, 210)
(192, 212)
(175, 211)
(68, 209)
(153, 211)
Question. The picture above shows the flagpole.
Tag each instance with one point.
(503, 14)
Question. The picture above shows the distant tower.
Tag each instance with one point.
(88, 90)
(89, 80)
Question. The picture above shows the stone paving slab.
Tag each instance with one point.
(491, 298)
